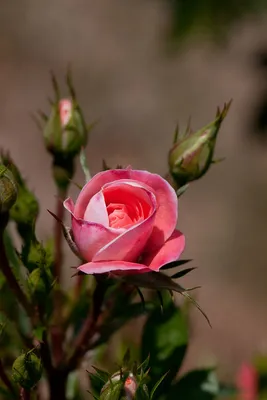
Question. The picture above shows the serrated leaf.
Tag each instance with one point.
(200, 384)
(165, 338)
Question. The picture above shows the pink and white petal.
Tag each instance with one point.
(170, 251)
(167, 202)
(130, 244)
(94, 185)
(96, 210)
(102, 267)
(91, 237)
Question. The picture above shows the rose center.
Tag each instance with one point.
(126, 205)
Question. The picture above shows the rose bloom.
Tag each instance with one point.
(124, 220)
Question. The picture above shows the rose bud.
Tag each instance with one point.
(130, 387)
(65, 131)
(8, 189)
(192, 152)
(124, 220)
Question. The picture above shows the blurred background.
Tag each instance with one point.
(140, 66)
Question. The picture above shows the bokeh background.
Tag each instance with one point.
(139, 67)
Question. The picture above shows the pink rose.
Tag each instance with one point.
(124, 220)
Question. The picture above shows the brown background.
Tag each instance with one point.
(124, 76)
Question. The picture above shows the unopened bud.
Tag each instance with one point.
(130, 387)
(8, 189)
(192, 152)
(27, 370)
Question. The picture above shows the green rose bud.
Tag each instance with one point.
(26, 208)
(192, 152)
(8, 189)
(65, 131)
(27, 370)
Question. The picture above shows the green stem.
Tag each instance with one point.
(89, 327)
(12, 281)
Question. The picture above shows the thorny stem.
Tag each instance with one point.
(58, 234)
(5, 379)
(57, 334)
(12, 281)
(89, 327)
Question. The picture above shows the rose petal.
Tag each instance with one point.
(130, 244)
(170, 251)
(166, 218)
(109, 266)
(89, 237)
(167, 203)
(96, 210)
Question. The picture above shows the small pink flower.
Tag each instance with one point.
(247, 382)
(65, 110)
(124, 220)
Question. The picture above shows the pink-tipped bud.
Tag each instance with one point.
(130, 387)
(65, 111)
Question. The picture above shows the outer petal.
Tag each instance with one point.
(89, 237)
(170, 251)
(167, 202)
(167, 214)
(109, 266)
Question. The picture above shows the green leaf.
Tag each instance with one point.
(165, 338)
(199, 384)
(157, 385)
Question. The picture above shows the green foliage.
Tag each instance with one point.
(165, 339)
(208, 17)
(196, 385)
(27, 370)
